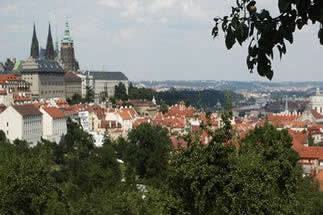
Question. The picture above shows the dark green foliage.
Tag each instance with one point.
(26, 185)
(89, 97)
(198, 99)
(120, 92)
(76, 99)
(163, 108)
(148, 151)
(141, 93)
(262, 176)
(265, 32)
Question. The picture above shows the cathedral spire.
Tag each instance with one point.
(50, 53)
(34, 51)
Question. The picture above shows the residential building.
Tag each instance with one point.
(22, 122)
(14, 84)
(54, 124)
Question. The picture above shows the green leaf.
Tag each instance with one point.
(320, 36)
(230, 39)
(270, 74)
(288, 35)
(284, 5)
(215, 31)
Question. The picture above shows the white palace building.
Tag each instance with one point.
(316, 102)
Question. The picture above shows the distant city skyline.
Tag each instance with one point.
(151, 39)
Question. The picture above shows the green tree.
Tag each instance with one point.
(141, 93)
(89, 97)
(148, 151)
(76, 99)
(265, 32)
(261, 176)
(26, 184)
(120, 92)
(163, 108)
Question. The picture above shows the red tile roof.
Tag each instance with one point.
(139, 122)
(27, 110)
(18, 98)
(54, 112)
(305, 152)
(8, 77)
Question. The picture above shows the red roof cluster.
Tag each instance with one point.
(4, 78)
(305, 152)
(180, 111)
(54, 112)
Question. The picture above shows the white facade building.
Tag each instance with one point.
(22, 122)
(54, 124)
(105, 82)
(316, 102)
(85, 121)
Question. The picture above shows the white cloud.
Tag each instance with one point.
(150, 9)
(192, 8)
(110, 3)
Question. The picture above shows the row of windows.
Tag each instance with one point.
(32, 123)
(52, 92)
(53, 83)
(32, 131)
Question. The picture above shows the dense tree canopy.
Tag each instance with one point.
(141, 93)
(200, 99)
(148, 151)
(260, 176)
(265, 32)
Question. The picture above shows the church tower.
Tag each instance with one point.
(50, 53)
(34, 51)
(67, 51)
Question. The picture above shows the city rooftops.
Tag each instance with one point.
(107, 75)
(27, 110)
(41, 65)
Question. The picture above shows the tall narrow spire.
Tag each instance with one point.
(286, 104)
(34, 51)
(50, 53)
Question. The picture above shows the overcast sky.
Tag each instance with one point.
(150, 39)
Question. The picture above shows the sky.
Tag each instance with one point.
(151, 39)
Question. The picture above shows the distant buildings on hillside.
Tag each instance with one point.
(55, 73)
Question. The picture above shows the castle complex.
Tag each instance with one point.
(54, 72)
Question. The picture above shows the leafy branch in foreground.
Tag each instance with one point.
(265, 32)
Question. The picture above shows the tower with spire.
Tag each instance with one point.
(286, 105)
(34, 51)
(50, 53)
(67, 51)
